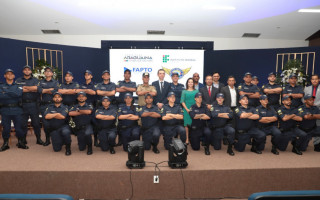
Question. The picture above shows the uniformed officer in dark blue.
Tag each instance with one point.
(172, 117)
(150, 115)
(89, 88)
(199, 115)
(268, 122)
(125, 86)
(10, 110)
(82, 117)
(106, 88)
(128, 116)
(245, 127)
(57, 124)
(294, 91)
(69, 90)
(288, 121)
(273, 91)
(255, 81)
(220, 125)
(310, 115)
(176, 87)
(247, 88)
(30, 103)
(106, 119)
(47, 88)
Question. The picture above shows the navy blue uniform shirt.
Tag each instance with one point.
(308, 124)
(272, 98)
(194, 109)
(289, 124)
(297, 89)
(217, 122)
(10, 95)
(177, 89)
(83, 119)
(176, 109)
(56, 123)
(44, 84)
(148, 122)
(106, 123)
(90, 98)
(129, 84)
(266, 112)
(106, 87)
(250, 89)
(69, 99)
(31, 97)
(245, 124)
(125, 110)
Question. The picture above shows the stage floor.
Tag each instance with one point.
(105, 176)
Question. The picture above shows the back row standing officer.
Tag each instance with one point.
(125, 86)
(30, 103)
(144, 89)
(106, 88)
(247, 88)
(176, 87)
(10, 110)
(47, 87)
(273, 91)
(68, 89)
(294, 91)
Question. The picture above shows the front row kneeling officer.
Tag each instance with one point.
(172, 116)
(10, 95)
(199, 115)
(289, 118)
(150, 115)
(245, 125)
(128, 117)
(220, 124)
(106, 119)
(58, 127)
(310, 115)
(268, 123)
(82, 115)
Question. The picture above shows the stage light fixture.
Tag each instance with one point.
(178, 154)
(136, 155)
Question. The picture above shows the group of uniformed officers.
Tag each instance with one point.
(92, 109)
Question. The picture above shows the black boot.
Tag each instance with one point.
(21, 144)
(5, 145)
(230, 151)
(274, 150)
(317, 147)
(295, 149)
(47, 142)
(68, 149)
(95, 140)
(39, 141)
(89, 151)
(112, 151)
(206, 150)
(225, 141)
(25, 139)
(155, 149)
(254, 148)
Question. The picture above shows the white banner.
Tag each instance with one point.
(138, 61)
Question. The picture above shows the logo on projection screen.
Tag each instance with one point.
(137, 58)
(138, 69)
(181, 72)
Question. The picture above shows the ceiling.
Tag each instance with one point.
(274, 19)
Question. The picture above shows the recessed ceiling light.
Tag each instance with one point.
(310, 10)
(218, 8)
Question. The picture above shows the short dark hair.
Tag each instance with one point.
(231, 76)
(160, 70)
(314, 75)
(216, 73)
(208, 75)
(187, 83)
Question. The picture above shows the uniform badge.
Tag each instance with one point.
(279, 112)
(239, 87)
(211, 109)
(237, 110)
(263, 87)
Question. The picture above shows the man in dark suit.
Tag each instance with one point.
(216, 83)
(231, 94)
(208, 92)
(163, 88)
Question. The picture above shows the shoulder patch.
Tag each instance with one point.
(239, 87)
(279, 112)
(262, 86)
(237, 110)
(283, 88)
(212, 109)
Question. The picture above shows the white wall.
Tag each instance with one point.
(219, 43)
